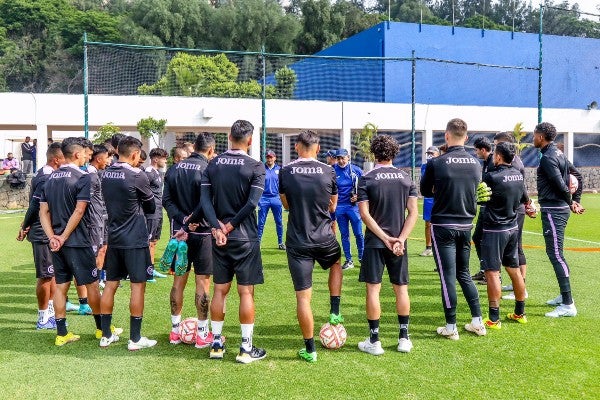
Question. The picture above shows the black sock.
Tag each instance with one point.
(428, 247)
(567, 298)
(310, 345)
(334, 302)
(61, 326)
(373, 330)
(106, 322)
(403, 321)
(519, 307)
(83, 300)
(135, 326)
(98, 321)
(494, 314)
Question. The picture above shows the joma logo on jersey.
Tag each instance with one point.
(461, 160)
(114, 175)
(512, 178)
(307, 170)
(388, 175)
(183, 165)
(230, 161)
(66, 174)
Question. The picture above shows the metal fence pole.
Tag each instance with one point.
(264, 106)
(540, 64)
(413, 106)
(85, 86)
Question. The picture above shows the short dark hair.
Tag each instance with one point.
(53, 151)
(70, 145)
(457, 127)
(384, 147)
(204, 141)
(158, 152)
(127, 145)
(115, 139)
(546, 129)
(307, 138)
(143, 155)
(506, 151)
(87, 143)
(241, 129)
(99, 149)
(178, 151)
(482, 143)
(504, 137)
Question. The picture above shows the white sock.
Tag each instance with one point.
(42, 316)
(203, 327)
(451, 327)
(247, 330)
(217, 328)
(476, 321)
(51, 308)
(175, 320)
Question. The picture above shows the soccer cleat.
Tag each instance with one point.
(371, 348)
(489, 324)
(68, 338)
(167, 257)
(113, 330)
(174, 337)
(84, 309)
(511, 296)
(478, 330)
(181, 263)
(348, 265)
(479, 276)
(157, 274)
(71, 307)
(151, 280)
(50, 324)
(443, 331)
(143, 343)
(427, 253)
(217, 350)
(204, 342)
(105, 342)
(522, 319)
(248, 356)
(281, 246)
(308, 357)
(507, 288)
(335, 319)
(557, 301)
(404, 345)
(563, 310)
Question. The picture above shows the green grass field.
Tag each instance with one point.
(545, 359)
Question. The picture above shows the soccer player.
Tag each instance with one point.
(347, 210)
(181, 198)
(97, 209)
(432, 151)
(63, 215)
(308, 189)
(270, 199)
(31, 227)
(128, 248)
(385, 194)
(231, 188)
(483, 150)
(499, 244)
(158, 159)
(556, 203)
(452, 179)
(179, 153)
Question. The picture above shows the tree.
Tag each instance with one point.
(519, 134)
(286, 83)
(105, 133)
(364, 141)
(321, 27)
(150, 128)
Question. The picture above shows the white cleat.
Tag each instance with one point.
(452, 335)
(143, 343)
(563, 310)
(511, 296)
(105, 342)
(557, 301)
(404, 345)
(371, 348)
(479, 330)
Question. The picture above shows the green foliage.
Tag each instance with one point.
(148, 127)
(519, 134)
(105, 132)
(286, 83)
(322, 27)
(364, 141)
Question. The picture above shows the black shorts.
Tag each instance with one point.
(154, 228)
(376, 258)
(499, 248)
(200, 254)
(42, 258)
(238, 258)
(97, 238)
(78, 262)
(301, 261)
(133, 262)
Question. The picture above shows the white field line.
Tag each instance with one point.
(566, 238)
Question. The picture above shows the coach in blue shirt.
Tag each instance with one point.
(347, 210)
(270, 199)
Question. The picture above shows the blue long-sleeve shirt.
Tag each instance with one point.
(347, 182)
(272, 181)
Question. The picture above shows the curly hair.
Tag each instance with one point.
(546, 129)
(384, 147)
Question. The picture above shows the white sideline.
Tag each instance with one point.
(566, 238)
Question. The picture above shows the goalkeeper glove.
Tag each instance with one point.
(484, 193)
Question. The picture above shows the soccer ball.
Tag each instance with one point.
(573, 183)
(188, 329)
(332, 336)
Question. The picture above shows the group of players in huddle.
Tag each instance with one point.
(211, 201)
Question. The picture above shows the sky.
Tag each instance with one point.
(587, 6)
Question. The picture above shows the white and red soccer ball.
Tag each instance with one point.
(333, 336)
(573, 184)
(188, 329)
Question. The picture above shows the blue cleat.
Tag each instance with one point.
(50, 324)
(181, 263)
(71, 307)
(85, 309)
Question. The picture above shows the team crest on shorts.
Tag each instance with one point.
(95, 272)
(150, 270)
(51, 269)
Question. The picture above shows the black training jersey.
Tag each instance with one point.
(96, 208)
(181, 195)
(308, 186)
(156, 185)
(518, 165)
(487, 165)
(553, 179)
(232, 185)
(387, 190)
(128, 197)
(508, 193)
(63, 189)
(452, 179)
(32, 216)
